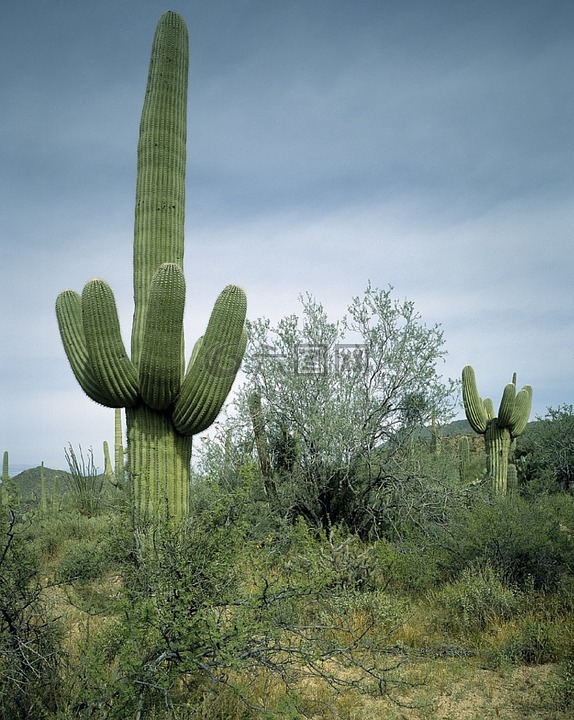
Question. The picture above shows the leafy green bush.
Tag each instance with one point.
(82, 560)
(562, 684)
(528, 543)
(475, 601)
(413, 567)
(533, 643)
(546, 452)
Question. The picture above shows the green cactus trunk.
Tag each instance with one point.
(159, 460)
(165, 406)
(497, 445)
(56, 494)
(159, 467)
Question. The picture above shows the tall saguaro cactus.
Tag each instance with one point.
(499, 431)
(165, 404)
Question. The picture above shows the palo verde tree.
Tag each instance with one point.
(328, 402)
(165, 405)
(499, 431)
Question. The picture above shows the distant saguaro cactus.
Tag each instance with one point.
(499, 432)
(436, 438)
(3, 488)
(256, 413)
(10, 493)
(512, 479)
(43, 491)
(165, 405)
(463, 457)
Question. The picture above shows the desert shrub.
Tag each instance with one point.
(206, 611)
(534, 642)
(546, 452)
(54, 536)
(561, 690)
(233, 490)
(349, 614)
(85, 483)
(475, 601)
(333, 559)
(414, 566)
(353, 564)
(82, 560)
(561, 602)
(30, 654)
(527, 543)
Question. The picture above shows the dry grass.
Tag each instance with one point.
(445, 689)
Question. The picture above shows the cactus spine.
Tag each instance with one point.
(165, 406)
(499, 432)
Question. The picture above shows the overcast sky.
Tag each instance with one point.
(425, 144)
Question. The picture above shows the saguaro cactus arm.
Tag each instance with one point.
(211, 374)
(521, 411)
(507, 405)
(473, 403)
(161, 362)
(109, 360)
(69, 315)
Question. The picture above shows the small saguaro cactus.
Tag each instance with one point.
(43, 491)
(499, 431)
(463, 457)
(436, 438)
(3, 488)
(256, 413)
(165, 404)
(10, 492)
(512, 479)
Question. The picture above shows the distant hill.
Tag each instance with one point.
(456, 427)
(28, 482)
